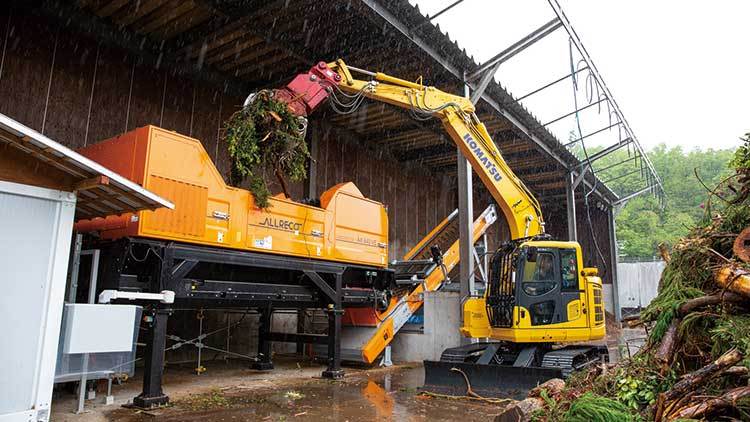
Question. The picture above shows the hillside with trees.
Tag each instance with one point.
(687, 175)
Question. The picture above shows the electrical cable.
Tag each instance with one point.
(586, 154)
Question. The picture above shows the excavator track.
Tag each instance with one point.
(573, 358)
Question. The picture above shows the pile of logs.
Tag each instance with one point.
(686, 399)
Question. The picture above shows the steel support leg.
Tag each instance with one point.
(335, 311)
(465, 229)
(614, 257)
(301, 315)
(264, 344)
(156, 337)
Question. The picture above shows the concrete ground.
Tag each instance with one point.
(292, 391)
(229, 391)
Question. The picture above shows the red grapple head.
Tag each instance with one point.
(307, 90)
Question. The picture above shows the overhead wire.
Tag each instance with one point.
(583, 169)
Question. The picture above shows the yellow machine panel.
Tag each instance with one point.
(347, 227)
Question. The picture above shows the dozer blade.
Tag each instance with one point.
(485, 380)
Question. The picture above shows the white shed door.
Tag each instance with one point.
(35, 232)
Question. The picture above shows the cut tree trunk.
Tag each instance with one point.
(668, 343)
(553, 386)
(664, 252)
(521, 411)
(735, 371)
(734, 278)
(741, 246)
(711, 406)
(690, 381)
(703, 301)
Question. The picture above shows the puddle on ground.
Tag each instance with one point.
(391, 396)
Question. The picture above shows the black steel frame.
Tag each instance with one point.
(321, 286)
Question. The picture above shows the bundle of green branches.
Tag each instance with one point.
(264, 138)
(696, 359)
(588, 407)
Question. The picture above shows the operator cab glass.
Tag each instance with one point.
(548, 280)
(569, 264)
(539, 282)
(538, 273)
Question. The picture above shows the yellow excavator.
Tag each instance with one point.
(540, 302)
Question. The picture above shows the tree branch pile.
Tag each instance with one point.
(695, 362)
(265, 139)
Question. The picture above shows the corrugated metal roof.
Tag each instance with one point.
(101, 192)
(250, 44)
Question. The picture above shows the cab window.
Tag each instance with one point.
(539, 273)
(569, 269)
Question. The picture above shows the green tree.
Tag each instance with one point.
(643, 224)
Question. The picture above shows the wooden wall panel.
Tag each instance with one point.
(28, 47)
(70, 91)
(146, 97)
(109, 99)
(177, 105)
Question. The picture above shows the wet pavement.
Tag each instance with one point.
(383, 396)
(294, 391)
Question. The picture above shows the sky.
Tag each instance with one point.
(678, 69)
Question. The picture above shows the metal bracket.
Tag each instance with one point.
(107, 296)
(180, 270)
(579, 178)
(478, 263)
(321, 284)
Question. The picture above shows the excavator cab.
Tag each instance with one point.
(539, 292)
(538, 295)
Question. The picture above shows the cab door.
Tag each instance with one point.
(539, 288)
(550, 287)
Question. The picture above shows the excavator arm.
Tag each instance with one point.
(334, 81)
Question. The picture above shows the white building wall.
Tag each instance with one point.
(638, 282)
(36, 226)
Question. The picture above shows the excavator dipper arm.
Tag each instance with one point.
(331, 80)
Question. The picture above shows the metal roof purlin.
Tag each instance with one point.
(555, 5)
(395, 22)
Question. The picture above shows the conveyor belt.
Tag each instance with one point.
(363, 344)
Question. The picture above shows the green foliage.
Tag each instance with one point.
(553, 410)
(681, 280)
(264, 139)
(741, 159)
(732, 332)
(642, 225)
(591, 407)
(640, 389)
